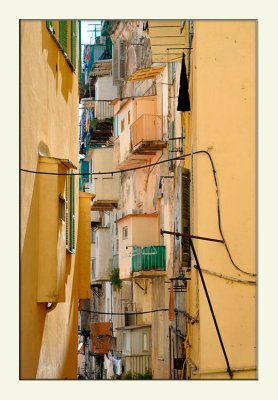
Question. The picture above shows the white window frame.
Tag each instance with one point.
(125, 232)
(146, 335)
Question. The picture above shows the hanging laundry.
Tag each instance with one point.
(118, 366)
(183, 100)
(108, 366)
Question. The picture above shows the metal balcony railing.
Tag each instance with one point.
(147, 128)
(148, 258)
(103, 109)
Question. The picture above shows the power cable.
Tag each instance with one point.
(227, 277)
(218, 212)
(108, 172)
(156, 163)
(126, 313)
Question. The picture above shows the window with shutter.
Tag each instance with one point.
(63, 35)
(67, 212)
(73, 43)
(185, 215)
(70, 212)
(49, 25)
(171, 145)
(66, 38)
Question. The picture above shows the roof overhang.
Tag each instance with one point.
(153, 215)
(146, 73)
(64, 161)
(167, 40)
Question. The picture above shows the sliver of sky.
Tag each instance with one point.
(86, 27)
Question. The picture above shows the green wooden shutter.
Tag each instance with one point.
(185, 216)
(72, 212)
(73, 43)
(63, 35)
(67, 212)
(171, 145)
(49, 25)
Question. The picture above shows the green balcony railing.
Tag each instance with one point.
(148, 258)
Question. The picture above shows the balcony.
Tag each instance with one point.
(148, 259)
(135, 342)
(139, 131)
(146, 135)
(106, 187)
(140, 255)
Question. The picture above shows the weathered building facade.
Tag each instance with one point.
(160, 262)
(55, 217)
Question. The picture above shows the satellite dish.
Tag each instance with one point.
(43, 149)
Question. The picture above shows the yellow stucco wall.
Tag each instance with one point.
(224, 123)
(49, 106)
(83, 249)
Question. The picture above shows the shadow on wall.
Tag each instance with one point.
(32, 314)
(57, 63)
(69, 367)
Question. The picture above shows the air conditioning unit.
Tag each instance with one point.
(119, 61)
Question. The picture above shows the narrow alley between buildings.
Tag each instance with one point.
(138, 199)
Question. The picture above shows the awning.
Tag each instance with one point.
(66, 162)
(167, 40)
(101, 68)
(145, 73)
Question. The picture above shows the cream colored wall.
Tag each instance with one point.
(145, 107)
(105, 89)
(224, 123)
(141, 225)
(125, 253)
(137, 227)
(142, 299)
(105, 189)
(49, 107)
(103, 253)
(124, 136)
(83, 248)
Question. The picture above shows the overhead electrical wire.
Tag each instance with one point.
(218, 212)
(108, 172)
(227, 277)
(153, 164)
(126, 313)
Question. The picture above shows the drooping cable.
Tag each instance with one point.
(156, 163)
(126, 313)
(218, 212)
(108, 172)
